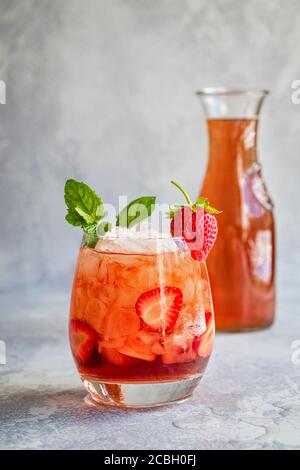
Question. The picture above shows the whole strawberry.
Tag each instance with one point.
(196, 223)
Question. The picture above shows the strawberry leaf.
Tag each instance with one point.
(212, 210)
(203, 202)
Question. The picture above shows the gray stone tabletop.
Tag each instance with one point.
(248, 399)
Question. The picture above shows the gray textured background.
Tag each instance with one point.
(104, 91)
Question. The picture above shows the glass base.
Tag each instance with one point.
(139, 395)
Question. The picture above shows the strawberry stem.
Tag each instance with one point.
(187, 197)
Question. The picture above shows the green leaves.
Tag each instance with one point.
(136, 211)
(203, 202)
(85, 207)
(86, 210)
(74, 218)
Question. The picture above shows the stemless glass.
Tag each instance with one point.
(133, 360)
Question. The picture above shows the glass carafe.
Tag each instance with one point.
(242, 263)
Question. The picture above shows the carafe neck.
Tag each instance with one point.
(232, 142)
(232, 119)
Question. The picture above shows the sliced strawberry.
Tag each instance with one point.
(83, 340)
(159, 308)
(203, 343)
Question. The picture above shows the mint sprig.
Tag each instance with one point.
(86, 210)
(136, 211)
(85, 207)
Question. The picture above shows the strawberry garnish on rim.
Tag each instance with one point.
(83, 340)
(196, 223)
(159, 308)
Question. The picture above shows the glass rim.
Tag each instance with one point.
(224, 91)
(160, 245)
(162, 237)
(142, 239)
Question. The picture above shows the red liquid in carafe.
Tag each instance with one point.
(241, 264)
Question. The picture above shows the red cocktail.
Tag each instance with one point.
(141, 318)
(141, 322)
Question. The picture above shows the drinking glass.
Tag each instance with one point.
(146, 319)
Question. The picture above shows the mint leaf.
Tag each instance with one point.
(85, 207)
(91, 229)
(88, 219)
(136, 211)
(75, 219)
(85, 210)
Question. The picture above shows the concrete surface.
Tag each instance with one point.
(248, 399)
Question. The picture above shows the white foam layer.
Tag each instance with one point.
(123, 240)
